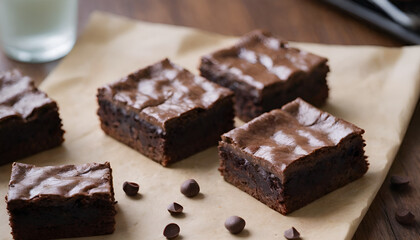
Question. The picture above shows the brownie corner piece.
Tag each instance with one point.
(265, 73)
(289, 157)
(61, 201)
(29, 119)
(165, 112)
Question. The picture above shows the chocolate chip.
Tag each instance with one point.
(291, 233)
(171, 231)
(405, 217)
(190, 188)
(131, 188)
(235, 224)
(175, 208)
(399, 181)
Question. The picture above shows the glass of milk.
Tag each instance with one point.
(37, 30)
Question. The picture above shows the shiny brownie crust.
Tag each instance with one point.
(254, 94)
(288, 181)
(29, 120)
(165, 112)
(61, 201)
(335, 168)
(192, 132)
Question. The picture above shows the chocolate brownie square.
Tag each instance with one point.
(29, 120)
(61, 201)
(291, 156)
(266, 73)
(165, 112)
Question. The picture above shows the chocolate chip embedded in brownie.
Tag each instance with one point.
(61, 201)
(266, 73)
(165, 112)
(29, 120)
(289, 157)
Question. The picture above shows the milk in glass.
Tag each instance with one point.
(37, 30)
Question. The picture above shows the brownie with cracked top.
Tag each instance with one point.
(61, 201)
(29, 120)
(291, 156)
(165, 112)
(266, 73)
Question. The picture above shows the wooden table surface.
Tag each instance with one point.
(297, 20)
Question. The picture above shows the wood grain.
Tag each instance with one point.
(297, 20)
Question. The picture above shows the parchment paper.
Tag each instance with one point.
(375, 88)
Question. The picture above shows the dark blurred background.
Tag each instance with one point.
(298, 20)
